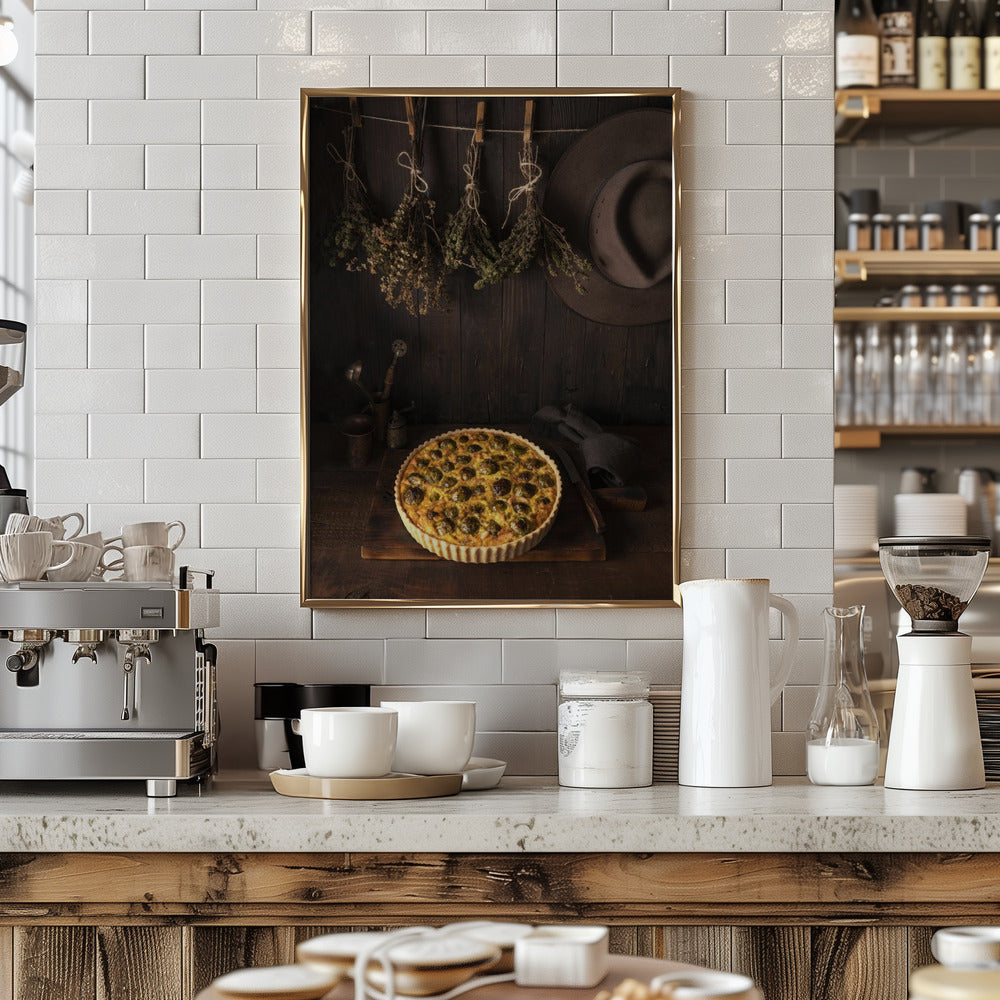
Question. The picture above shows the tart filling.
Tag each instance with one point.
(478, 489)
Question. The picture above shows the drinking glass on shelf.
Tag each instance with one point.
(916, 384)
(950, 403)
(989, 374)
(973, 381)
(878, 372)
(934, 377)
(843, 374)
(899, 397)
(864, 404)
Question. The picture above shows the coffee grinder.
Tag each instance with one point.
(934, 739)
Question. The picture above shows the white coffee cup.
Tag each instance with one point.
(347, 742)
(80, 567)
(434, 737)
(20, 523)
(28, 555)
(147, 562)
(150, 533)
(108, 563)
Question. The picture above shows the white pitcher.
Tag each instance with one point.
(726, 689)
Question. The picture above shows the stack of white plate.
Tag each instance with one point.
(666, 704)
(930, 514)
(855, 520)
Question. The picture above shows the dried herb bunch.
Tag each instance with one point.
(348, 241)
(468, 241)
(534, 236)
(405, 251)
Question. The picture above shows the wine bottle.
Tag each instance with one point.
(991, 46)
(857, 49)
(932, 49)
(964, 44)
(898, 28)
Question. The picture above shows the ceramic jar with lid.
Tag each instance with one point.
(605, 729)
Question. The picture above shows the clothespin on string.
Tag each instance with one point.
(529, 115)
(480, 133)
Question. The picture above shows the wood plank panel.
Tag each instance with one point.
(36, 885)
(645, 941)
(776, 958)
(918, 941)
(214, 951)
(864, 963)
(140, 961)
(54, 963)
(709, 946)
(7, 963)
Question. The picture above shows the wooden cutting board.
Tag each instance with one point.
(571, 539)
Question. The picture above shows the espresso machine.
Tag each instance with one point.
(109, 681)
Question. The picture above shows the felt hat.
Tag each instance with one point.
(613, 193)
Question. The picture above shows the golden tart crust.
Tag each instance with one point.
(478, 495)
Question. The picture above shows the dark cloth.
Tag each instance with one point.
(611, 459)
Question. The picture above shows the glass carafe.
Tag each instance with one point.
(842, 738)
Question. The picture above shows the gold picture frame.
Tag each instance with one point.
(310, 598)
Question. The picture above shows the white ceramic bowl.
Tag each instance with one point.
(967, 947)
(433, 737)
(503, 933)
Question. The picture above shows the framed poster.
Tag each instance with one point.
(490, 348)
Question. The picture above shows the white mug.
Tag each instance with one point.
(726, 688)
(20, 523)
(115, 565)
(347, 742)
(80, 567)
(150, 533)
(147, 562)
(434, 737)
(27, 555)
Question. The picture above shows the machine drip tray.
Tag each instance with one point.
(156, 756)
(95, 734)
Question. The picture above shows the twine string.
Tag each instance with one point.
(418, 184)
(346, 160)
(471, 170)
(532, 174)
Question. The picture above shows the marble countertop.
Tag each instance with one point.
(244, 814)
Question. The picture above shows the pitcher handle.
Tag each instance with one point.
(791, 641)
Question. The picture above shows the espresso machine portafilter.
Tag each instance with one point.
(111, 681)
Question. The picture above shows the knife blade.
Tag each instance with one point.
(573, 473)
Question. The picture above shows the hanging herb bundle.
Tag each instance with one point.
(534, 236)
(347, 242)
(468, 241)
(405, 251)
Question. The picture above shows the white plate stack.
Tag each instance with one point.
(930, 514)
(666, 704)
(855, 520)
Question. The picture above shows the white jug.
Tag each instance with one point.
(726, 690)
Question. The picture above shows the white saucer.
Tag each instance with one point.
(482, 772)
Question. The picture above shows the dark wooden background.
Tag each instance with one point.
(499, 353)
(493, 359)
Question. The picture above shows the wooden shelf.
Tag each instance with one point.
(871, 437)
(855, 108)
(860, 265)
(897, 314)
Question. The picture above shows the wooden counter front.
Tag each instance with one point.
(162, 926)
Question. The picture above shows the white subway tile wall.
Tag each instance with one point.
(167, 220)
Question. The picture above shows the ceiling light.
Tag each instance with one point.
(8, 41)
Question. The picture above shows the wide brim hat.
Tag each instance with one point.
(612, 191)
